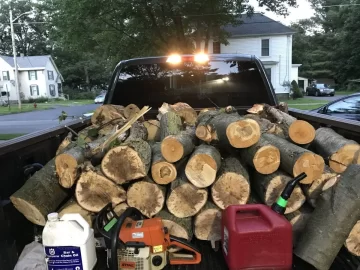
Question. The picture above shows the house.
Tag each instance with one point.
(38, 77)
(267, 39)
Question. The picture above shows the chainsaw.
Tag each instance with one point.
(135, 242)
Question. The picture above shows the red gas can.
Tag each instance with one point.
(255, 237)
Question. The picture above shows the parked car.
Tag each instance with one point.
(319, 89)
(347, 107)
(99, 99)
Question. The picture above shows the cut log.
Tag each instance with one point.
(162, 172)
(72, 206)
(337, 150)
(352, 243)
(93, 192)
(170, 124)
(207, 224)
(296, 160)
(84, 134)
(176, 147)
(269, 188)
(298, 220)
(153, 128)
(130, 110)
(138, 131)
(127, 162)
(184, 199)
(266, 126)
(232, 185)
(283, 106)
(203, 165)
(64, 144)
(262, 156)
(40, 195)
(337, 211)
(187, 114)
(120, 208)
(106, 113)
(313, 191)
(67, 166)
(147, 197)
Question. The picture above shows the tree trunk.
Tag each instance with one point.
(269, 188)
(106, 113)
(67, 166)
(127, 162)
(162, 171)
(207, 224)
(72, 206)
(187, 114)
(232, 185)
(296, 160)
(266, 126)
(352, 243)
(94, 191)
(64, 144)
(40, 195)
(262, 156)
(138, 131)
(176, 147)
(203, 165)
(337, 211)
(184, 199)
(153, 128)
(335, 149)
(170, 124)
(147, 197)
(298, 220)
(313, 191)
(227, 129)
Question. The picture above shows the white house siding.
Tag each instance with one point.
(295, 73)
(7, 85)
(50, 67)
(25, 83)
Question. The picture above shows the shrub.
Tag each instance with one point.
(37, 100)
(77, 94)
(296, 91)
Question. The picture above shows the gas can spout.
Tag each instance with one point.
(280, 205)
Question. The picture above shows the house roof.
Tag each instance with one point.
(25, 62)
(258, 24)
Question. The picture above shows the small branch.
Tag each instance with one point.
(72, 131)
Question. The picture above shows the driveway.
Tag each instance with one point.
(325, 98)
(37, 120)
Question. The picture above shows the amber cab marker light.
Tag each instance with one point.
(174, 59)
(201, 58)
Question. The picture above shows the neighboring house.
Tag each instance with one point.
(38, 77)
(267, 39)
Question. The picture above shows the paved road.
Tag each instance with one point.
(38, 120)
(326, 98)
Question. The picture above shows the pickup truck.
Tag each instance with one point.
(237, 80)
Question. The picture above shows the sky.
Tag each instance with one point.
(303, 11)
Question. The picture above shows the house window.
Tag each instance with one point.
(34, 90)
(32, 75)
(5, 75)
(268, 73)
(216, 47)
(52, 89)
(265, 47)
(50, 75)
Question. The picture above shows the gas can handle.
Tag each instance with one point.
(79, 219)
(264, 210)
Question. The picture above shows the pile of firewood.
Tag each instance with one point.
(186, 167)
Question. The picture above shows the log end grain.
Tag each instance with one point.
(105, 113)
(163, 172)
(310, 163)
(120, 208)
(73, 207)
(153, 130)
(201, 170)
(346, 155)
(352, 243)
(203, 133)
(267, 159)
(243, 133)
(130, 110)
(301, 132)
(67, 169)
(172, 150)
(207, 225)
(30, 211)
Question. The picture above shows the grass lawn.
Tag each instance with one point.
(4, 137)
(305, 103)
(343, 93)
(67, 102)
(25, 108)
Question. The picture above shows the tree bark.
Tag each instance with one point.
(71, 206)
(170, 124)
(64, 144)
(162, 172)
(187, 114)
(269, 188)
(94, 191)
(298, 220)
(352, 243)
(262, 156)
(106, 113)
(184, 199)
(207, 224)
(295, 159)
(337, 212)
(153, 128)
(147, 197)
(203, 165)
(40, 195)
(335, 149)
(176, 147)
(266, 126)
(138, 131)
(232, 185)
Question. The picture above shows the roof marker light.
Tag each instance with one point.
(174, 59)
(201, 58)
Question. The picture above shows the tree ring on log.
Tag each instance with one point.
(66, 169)
(243, 133)
(208, 225)
(201, 170)
(301, 132)
(310, 163)
(171, 149)
(267, 159)
(346, 155)
(30, 211)
(203, 133)
(163, 172)
(331, 182)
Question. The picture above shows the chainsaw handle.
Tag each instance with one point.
(182, 243)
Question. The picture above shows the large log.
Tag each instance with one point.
(93, 192)
(266, 126)
(184, 199)
(176, 147)
(352, 242)
(71, 206)
(162, 172)
(146, 196)
(203, 165)
(170, 124)
(335, 149)
(298, 220)
(130, 110)
(64, 144)
(262, 156)
(227, 129)
(296, 160)
(337, 211)
(269, 188)
(207, 224)
(153, 128)
(106, 113)
(187, 114)
(40, 195)
(232, 185)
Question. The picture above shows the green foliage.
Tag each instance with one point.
(75, 94)
(296, 92)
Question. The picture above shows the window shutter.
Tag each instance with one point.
(37, 87)
(8, 75)
(31, 91)
(29, 76)
(35, 75)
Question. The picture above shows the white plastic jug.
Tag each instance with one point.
(69, 243)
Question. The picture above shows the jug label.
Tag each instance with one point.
(63, 258)
(226, 241)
